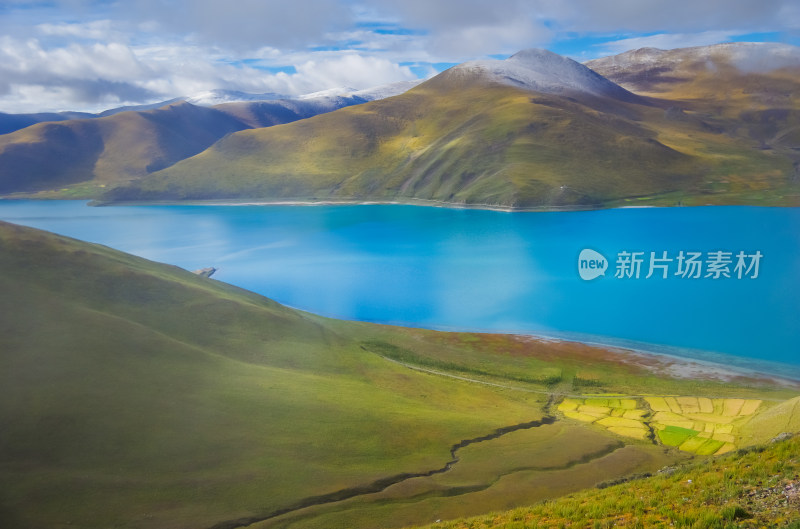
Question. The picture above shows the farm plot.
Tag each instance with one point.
(693, 424)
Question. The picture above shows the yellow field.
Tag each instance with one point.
(617, 422)
(635, 433)
(693, 424)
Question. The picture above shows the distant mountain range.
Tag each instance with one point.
(53, 151)
(327, 100)
(709, 125)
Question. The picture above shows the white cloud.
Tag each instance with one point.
(667, 41)
(75, 54)
(98, 76)
(244, 24)
(29, 60)
(186, 70)
(470, 28)
(459, 44)
(101, 30)
(790, 15)
(680, 16)
(356, 71)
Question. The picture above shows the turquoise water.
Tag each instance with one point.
(485, 270)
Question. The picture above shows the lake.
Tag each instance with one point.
(721, 280)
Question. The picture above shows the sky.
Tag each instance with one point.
(91, 55)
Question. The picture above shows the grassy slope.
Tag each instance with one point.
(785, 417)
(462, 140)
(516, 470)
(156, 393)
(86, 156)
(760, 110)
(757, 488)
(101, 151)
(134, 394)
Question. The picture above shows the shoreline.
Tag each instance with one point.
(408, 201)
(421, 202)
(659, 359)
(644, 355)
(328, 202)
(687, 367)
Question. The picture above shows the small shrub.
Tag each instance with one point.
(734, 512)
(586, 382)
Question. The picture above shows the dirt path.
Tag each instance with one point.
(383, 483)
(465, 379)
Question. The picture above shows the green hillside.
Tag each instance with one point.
(750, 489)
(785, 417)
(460, 142)
(75, 155)
(464, 139)
(134, 394)
(99, 152)
(138, 394)
(747, 91)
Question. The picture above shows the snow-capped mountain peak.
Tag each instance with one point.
(544, 71)
(218, 96)
(386, 90)
(340, 91)
(745, 56)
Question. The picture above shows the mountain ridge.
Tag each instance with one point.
(540, 70)
(558, 134)
(107, 149)
(532, 131)
(645, 68)
(83, 154)
(325, 100)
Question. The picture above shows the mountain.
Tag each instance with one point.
(101, 151)
(308, 104)
(215, 97)
(12, 122)
(138, 108)
(367, 94)
(220, 97)
(535, 130)
(258, 114)
(83, 153)
(714, 68)
(711, 125)
(543, 71)
(743, 89)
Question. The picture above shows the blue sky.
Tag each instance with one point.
(97, 54)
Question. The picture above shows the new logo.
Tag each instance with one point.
(591, 264)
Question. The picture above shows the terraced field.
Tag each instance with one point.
(699, 425)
